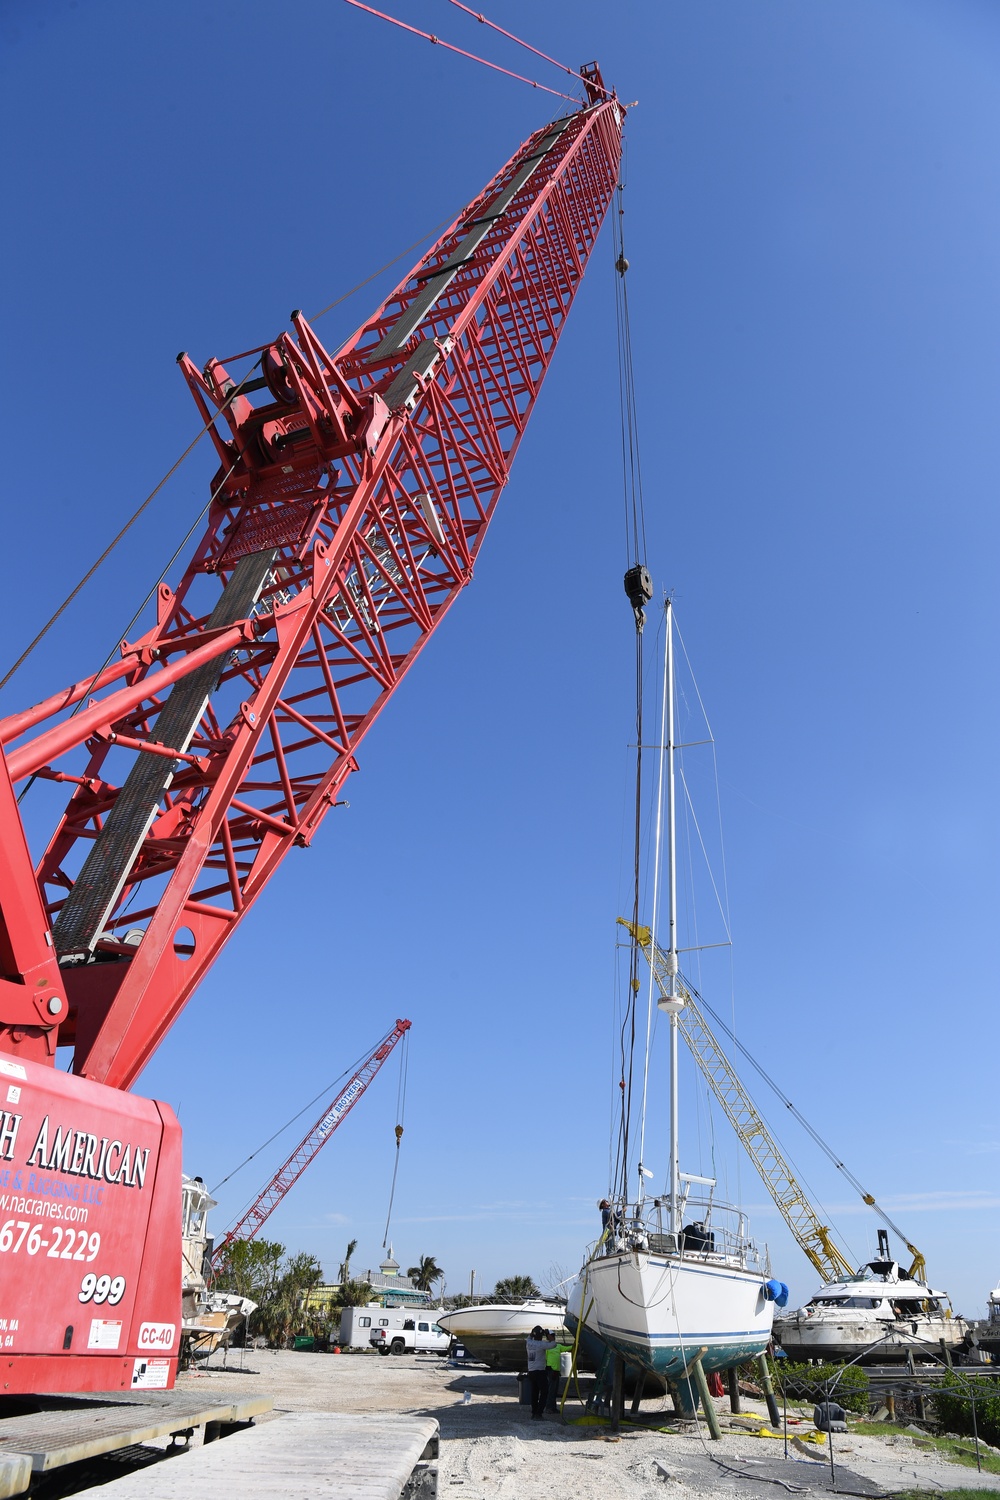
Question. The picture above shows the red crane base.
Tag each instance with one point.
(90, 1235)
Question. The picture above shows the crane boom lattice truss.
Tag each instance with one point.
(758, 1142)
(349, 508)
(249, 1224)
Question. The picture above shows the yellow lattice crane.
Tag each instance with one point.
(757, 1140)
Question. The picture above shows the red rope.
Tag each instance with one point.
(478, 16)
(461, 52)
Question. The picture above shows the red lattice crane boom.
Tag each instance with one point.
(252, 1220)
(351, 504)
(353, 493)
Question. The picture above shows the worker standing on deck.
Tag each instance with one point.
(537, 1346)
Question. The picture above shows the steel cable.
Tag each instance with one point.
(177, 463)
(404, 1058)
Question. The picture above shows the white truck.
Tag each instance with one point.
(417, 1336)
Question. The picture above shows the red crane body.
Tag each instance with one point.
(252, 1220)
(346, 516)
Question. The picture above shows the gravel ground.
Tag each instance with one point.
(491, 1449)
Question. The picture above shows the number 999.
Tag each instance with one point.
(110, 1289)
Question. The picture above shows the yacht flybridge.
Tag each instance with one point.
(881, 1315)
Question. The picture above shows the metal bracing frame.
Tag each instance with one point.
(366, 485)
(252, 1220)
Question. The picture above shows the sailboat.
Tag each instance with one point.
(675, 1277)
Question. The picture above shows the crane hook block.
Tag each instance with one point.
(621, 265)
(638, 586)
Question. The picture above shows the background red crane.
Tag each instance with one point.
(252, 1220)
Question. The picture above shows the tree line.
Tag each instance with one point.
(280, 1284)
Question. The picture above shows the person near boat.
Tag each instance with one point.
(536, 1348)
(610, 1221)
(553, 1357)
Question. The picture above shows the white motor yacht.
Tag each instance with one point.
(879, 1316)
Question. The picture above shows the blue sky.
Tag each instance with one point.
(814, 233)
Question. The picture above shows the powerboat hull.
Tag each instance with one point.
(869, 1343)
(880, 1315)
(495, 1332)
(660, 1311)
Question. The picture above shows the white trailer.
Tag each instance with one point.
(357, 1324)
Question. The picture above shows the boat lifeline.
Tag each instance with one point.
(676, 1276)
(495, 1331)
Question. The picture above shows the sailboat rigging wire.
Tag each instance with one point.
(689, 801)
(787, 1156)
(727, 912)
(629, 1018)
(654, 914)
(400, 1112)
(814, 1134)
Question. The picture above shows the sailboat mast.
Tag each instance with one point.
(671, 804)
(673, 1001)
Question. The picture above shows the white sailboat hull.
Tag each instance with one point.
(659, 1311)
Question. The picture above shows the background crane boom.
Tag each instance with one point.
(767, 1156)
(760, 1145)
(249, 1224)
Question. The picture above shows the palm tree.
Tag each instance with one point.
(344, 1273)
(353, 1294)
(515, 1289)
(425, 1275)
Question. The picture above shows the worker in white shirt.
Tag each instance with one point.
(537, 1347)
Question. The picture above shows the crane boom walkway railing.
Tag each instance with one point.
(95, 891)
(437, 279)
